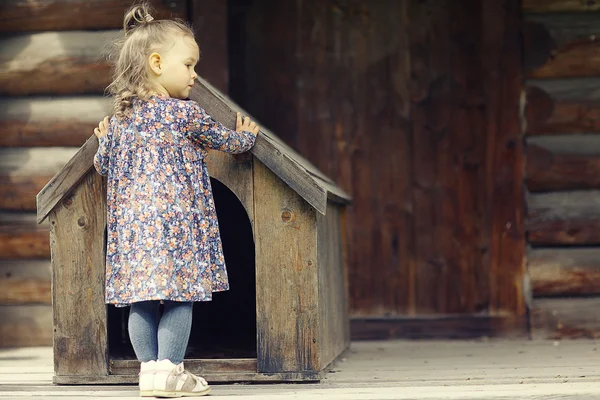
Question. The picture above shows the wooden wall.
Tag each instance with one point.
(413, 108)
(562, 61)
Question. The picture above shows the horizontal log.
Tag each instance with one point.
(544, 6)
(547, 170)
(26, 325)
(50, 121)
(563, 106)
(563, 218)
(25, 282)
(25, 171)
(565, 318)
(64, 63)
(56, 15)
(564, 271)
(22, 238)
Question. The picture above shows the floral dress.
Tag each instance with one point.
(163, 237)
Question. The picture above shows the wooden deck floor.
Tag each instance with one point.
(402, 370)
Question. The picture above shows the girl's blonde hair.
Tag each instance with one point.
(142, 35)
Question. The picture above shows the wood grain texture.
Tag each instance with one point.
(66, 178)
(564, 271)
(65, 63)
(25, 282)
(24, 171)
(210, 21)
(332, 276)
(286, 277)
(57, 15)
(78, 226)
(560, 45)
(21, 238)
(200, 367)
(547, 170)
(502, 42)
(563, 106)
(544, 6)
(25, 325)
(563, 218)
(50, 121)
(565, 318)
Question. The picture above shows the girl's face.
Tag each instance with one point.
(173, 69)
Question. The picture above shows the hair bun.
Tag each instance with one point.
(138, 14)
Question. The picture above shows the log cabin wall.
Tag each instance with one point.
(413, 108)
(52, 79)
(562, 60)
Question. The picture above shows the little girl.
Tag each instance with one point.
(163, 240)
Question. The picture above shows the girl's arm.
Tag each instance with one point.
(213, 135)
(104, 135)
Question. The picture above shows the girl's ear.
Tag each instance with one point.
(155, 63)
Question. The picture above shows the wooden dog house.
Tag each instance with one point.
(285, 317)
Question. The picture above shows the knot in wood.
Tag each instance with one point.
(81, 221)
(288, 216)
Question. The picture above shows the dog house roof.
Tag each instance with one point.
(303, 177)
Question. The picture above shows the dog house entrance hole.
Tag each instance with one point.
(226, 326)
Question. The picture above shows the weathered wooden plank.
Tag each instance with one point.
(562, 45)
(22, 238)
(25, 282)
(78, 226)
(563, 106)
(67, 178)
(25, 325)
(196, 366)
(565, 318)
(449, 162)
(53, 15)
(564, 271)
(543, 6)
(50, 121)
(287, 324)
(503, 74)
(563, 218)
(24, 171)
(546, 170)
(467, 326)
(333, 284)
(55, 63)
(235, 172)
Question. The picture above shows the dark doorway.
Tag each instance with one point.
(226, 326)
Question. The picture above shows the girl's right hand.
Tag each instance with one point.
(102, 128)
(247, 126)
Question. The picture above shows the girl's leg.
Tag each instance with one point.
(143, 329)
(174, 331)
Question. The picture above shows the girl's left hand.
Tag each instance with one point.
(102, 128)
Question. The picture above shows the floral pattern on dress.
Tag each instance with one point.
(163, 238)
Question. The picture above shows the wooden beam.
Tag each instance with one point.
(25, 171)
(25, 282)
(26, 325)
(561, 45)
(564, 271)
(57, 15)
(565, 318)
(546, 6)
(563, 218)
(50, 121)
(504, 85)
(64, 63)
(22, 238)
(546, 170)
(563, 106)
(467, 326)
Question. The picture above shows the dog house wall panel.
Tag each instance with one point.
(286, 277)
(77, 226)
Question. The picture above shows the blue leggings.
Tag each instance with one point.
(164, 339)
